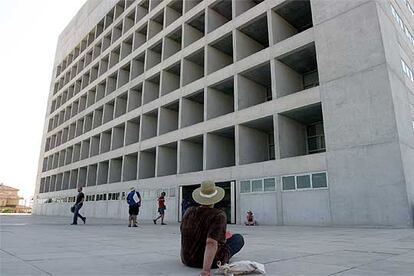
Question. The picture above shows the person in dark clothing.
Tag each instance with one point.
(134, 202)
(161, 209)
(78, 204)
(184, 206)
(203, 231)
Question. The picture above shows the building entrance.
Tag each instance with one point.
(227, 204)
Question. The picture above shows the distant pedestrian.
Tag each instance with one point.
(78, 204)
(161, 209)
(134, 202)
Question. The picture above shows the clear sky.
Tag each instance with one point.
(29, 30)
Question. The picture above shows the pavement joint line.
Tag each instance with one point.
(30, 264)
(292, 258)
(372, 252)
(97, 255)
(405, 248)
(342, 271)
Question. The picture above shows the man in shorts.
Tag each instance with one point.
(161, 209)
(134, 202)
(203, 231)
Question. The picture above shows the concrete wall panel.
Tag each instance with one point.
(367, 186)
(306, 208)
(323, 10)
(352, 106)
(349, 43)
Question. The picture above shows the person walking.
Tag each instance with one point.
(204, 240)
(80, 198)
(134, 202)
(161, 209)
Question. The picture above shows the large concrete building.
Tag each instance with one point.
(302, 110)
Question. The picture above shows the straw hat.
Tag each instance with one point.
(208, 193)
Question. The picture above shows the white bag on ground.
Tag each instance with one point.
(242, 267)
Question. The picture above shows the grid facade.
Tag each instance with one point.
(163, 94)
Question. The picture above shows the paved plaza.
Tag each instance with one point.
(34, 245)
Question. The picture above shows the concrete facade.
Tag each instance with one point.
(304, 110)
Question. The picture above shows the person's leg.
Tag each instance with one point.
(136, 216)
(130, 218)
(79, 215)
(155, 220)
(82, 218)
(235, 244)
(162, 217)
(75, 215)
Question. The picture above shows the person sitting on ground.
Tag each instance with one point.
(203, 231)
(250, 221)
(134, 202)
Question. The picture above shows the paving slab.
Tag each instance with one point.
(38, 245)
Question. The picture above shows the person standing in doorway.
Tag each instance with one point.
(161, 209)
(134, 202)
(78, 204)
(184, 206)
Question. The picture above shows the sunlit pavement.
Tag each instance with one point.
(33, 245)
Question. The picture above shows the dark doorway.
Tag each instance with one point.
(186, 199)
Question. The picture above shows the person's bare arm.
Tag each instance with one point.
(209, 255)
